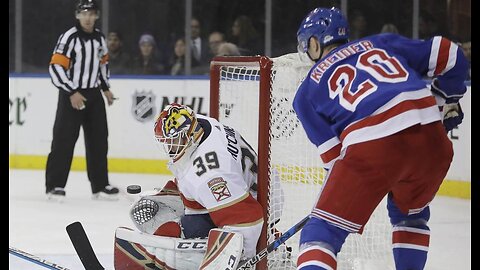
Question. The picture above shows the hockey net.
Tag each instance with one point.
(254, 95)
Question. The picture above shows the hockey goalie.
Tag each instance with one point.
(211, 201)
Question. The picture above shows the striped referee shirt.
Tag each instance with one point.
(80, 61)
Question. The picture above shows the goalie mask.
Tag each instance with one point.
(177, 130)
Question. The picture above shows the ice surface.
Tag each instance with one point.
(37, 226)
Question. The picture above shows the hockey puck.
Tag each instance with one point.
(134, 189)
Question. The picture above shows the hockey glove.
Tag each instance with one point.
(452, 116)
(156, 212)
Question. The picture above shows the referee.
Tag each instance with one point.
(79, 69)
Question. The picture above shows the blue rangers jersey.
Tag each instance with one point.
(373, 87)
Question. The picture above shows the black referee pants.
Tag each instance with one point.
(66, 130)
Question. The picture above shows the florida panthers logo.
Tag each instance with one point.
(219, 189)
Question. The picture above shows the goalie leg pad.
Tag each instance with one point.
(170, 229)
(137, 251)
(224, 250)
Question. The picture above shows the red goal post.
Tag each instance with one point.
(264, 64)
(254, 95)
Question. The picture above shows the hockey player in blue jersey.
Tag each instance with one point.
(380, 130)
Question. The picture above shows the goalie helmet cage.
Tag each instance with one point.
(254, 95)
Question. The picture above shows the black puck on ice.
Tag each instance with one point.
(134, 189)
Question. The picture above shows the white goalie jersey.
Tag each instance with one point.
(214, 191)
(219, 178)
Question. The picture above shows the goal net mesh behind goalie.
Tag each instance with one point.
(254, 95)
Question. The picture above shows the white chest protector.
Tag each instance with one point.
(220, 170)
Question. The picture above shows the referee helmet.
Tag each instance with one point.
(84, 5)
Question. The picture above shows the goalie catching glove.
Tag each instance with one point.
(452, 114)
(159, 213)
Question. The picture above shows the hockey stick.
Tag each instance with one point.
(274, 245)
(83, 247)
(34, 259)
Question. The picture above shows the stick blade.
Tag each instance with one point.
(83, 247)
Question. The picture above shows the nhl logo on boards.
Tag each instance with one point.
(226, 108)
(143, 105)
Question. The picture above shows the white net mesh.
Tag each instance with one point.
(294, 159)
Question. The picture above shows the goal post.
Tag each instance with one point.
(254, 95)
(260, 71)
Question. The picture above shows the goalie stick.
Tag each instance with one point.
(83, 247)
(274, 245)
(34, 259)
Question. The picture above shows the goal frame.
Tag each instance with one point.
(265, 66)
(278, 80)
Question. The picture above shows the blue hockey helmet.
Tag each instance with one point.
(327, 25)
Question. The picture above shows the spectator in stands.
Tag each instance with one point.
(358, 25)
(119, 60)
(245, 36)
(146, 62)
(389, 28)
(228, 49)
(200, 48)
(214, 40)
(176, 62)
